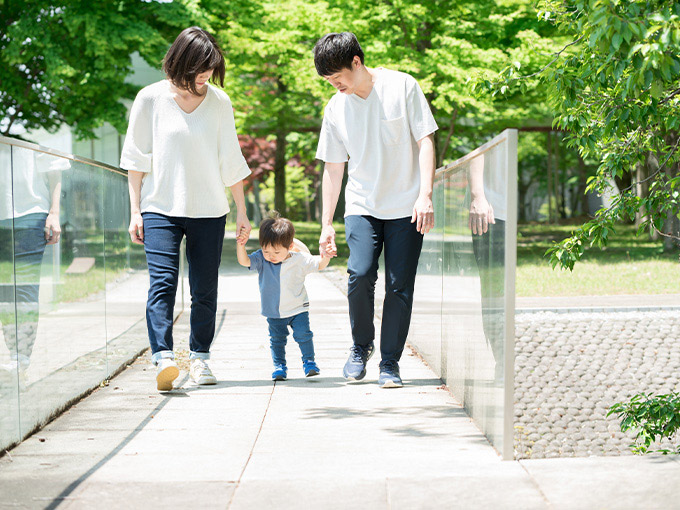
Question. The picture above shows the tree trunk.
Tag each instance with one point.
(672, 224)
(651, 166)
(308, 209)
(582, 178)
(280, 173)
(557, 181)
(258, 209)
(549, 169)
(441, 149)
(639, 191)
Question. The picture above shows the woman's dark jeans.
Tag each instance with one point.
(162, 238)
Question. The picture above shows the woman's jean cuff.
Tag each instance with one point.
(158, 356)
(199, 355)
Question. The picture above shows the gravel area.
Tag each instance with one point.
(570, 368)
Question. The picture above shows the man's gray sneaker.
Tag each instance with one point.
(389, 375)
(355, 368)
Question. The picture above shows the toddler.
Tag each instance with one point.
(284, 299)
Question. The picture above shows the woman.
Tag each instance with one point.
(181, 152)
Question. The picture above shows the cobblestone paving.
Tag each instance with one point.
(570, 368)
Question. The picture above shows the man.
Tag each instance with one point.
(380, 122)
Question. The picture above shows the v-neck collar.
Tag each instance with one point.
(182, 109)
(378, 76)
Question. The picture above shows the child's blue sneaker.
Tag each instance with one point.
(311, 368)
(280, 373)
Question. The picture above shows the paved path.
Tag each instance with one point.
(247, 443)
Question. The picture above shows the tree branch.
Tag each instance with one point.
(557, 55)
(670, 96)
(658, 170)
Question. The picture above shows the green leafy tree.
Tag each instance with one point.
(444, 44)
(272, 80)
(615, 89)
(65, 62)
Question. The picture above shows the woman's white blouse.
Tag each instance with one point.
(189, 158)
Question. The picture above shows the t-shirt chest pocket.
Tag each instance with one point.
(394, 131)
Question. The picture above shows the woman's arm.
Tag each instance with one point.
(243, 227)
(136, 228)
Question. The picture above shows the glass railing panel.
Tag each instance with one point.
(9, 354)
(426, 321)
(60, 281)
(476, 353)
(72, 308)
(127, 279)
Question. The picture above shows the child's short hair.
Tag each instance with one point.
(276, 231)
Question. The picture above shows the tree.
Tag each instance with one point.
(65, 61)
(444, 44)
(272, 80)
(615, 89)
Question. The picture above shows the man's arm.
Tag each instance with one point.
(423, 210)
(242, 255)
(331, 182)
(481, 212)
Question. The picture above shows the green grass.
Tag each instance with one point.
(627, 265)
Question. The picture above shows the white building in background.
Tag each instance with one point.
(108, 144)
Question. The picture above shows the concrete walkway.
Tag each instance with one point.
(247, 443)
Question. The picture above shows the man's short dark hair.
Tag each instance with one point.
(335, 52)
(276, 231)
(195, 51)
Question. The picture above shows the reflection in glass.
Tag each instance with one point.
(72, 287)
(9, 375)
(29, 221)
(467, 277)
(487, 224)
(126, 278)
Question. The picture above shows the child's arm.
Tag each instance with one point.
(324, 261)
(242, 255)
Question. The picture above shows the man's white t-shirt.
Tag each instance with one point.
(188, 158)
(379, 136)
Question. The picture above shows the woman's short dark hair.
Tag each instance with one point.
(276, 231)
(194, 51)
(335, 52)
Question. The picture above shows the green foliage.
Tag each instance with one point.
(443, 43)
(299, 191)
(65, 62)
(615, 89)
(652, 417)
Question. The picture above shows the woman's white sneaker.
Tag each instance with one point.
(200, 373)
(167, 372)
